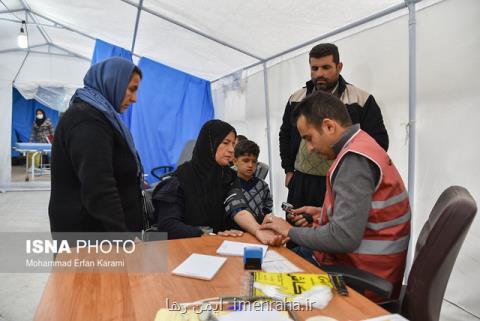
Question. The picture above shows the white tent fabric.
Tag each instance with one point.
(215, 38)
(258, 30)
(51, 94)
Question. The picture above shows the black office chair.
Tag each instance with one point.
(160, 172)
(437, 249)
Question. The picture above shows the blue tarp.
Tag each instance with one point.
(171, 108)
(104, 50)
(23, 114)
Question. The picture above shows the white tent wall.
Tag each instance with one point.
(245, 112)
(12, 62)
(376, 60)
(448, 98)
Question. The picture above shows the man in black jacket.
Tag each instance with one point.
(305, 172)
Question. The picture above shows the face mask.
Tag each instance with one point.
(39, 116)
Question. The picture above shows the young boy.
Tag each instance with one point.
(262, 168)
(255, 190)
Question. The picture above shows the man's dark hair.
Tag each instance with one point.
(246, 147)
(321, 105)
(137, 71)
(241, 138)
(324, 50)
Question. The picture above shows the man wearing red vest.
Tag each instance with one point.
(365, 218)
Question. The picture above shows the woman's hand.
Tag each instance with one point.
(269, 237)
(275, 224)
(234, 233)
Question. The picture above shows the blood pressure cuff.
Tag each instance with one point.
(235, 202)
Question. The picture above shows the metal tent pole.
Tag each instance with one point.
(267, 110)
(412, 109)
(21, 67)
(191, 29)
(137, 20)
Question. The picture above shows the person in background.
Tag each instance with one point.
(305, 172)
(192, 201)
(364, 221)
(96, 172)
(255, 190)
(240, 138)
(42, 128)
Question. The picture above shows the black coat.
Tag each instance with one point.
(94, 176)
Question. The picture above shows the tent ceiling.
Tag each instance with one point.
(110, 20)
(11, 4)
(207, 38)
(266, 27)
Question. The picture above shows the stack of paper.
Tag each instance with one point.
(200, 266)
(274, 262)
(236, 248)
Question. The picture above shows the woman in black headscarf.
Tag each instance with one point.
(192, 201)
(42, 129)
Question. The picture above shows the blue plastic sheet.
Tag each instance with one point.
(23, 115)
(171, 108)
(104, 50)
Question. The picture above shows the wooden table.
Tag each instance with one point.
(138, 296)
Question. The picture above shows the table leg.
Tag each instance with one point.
(26, 167)
(33, 165)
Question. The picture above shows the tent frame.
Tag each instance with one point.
(412, 114)
(184, 26)
(409, 4)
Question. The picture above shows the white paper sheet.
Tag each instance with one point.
(236, 248)
(200, 266)
(274, 262)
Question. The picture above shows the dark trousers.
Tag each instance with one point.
(305, 189)
(305, 253)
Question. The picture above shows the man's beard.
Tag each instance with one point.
(327, 85)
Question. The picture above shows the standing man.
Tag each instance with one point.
(305, 172)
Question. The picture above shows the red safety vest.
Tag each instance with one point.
(384, 246)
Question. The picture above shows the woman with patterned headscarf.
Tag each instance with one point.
(96, 172)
